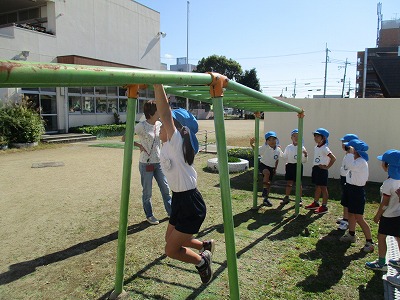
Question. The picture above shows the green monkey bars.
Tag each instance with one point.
(210, 88)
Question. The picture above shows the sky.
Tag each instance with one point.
(285, 41)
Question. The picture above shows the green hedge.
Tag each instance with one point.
(244, 153)
(20, 123)
(101, 130)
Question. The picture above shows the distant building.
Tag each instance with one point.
(182, 66)
(326, 96)
(108, 33)
(378, 69)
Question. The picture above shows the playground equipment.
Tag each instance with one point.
(212, 88)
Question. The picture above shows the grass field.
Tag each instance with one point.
(280, 255)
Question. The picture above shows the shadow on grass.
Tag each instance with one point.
(261, 219)
(16, 271)
(244, 181)
(368, 291)
(331, 252)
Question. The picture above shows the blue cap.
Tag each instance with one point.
(360, 146)
(270, 134)
(323, 132)
(187, 119)
(392, 157)
(348, 137)
(294, 131)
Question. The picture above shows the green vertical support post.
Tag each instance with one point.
(125, 191)
(255, 174)
(226, 197)
(299, 163)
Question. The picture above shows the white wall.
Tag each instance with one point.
(376, 121)
(119, 31)
(111, 30)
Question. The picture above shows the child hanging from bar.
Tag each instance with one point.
(188, 209)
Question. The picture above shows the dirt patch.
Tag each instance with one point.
(59, 224)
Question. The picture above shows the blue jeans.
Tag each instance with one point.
(146, 179)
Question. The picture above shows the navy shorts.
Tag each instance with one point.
(188, 211)
(354, 197)
(271, 170)
(319, 176)
(389, 226)
(291, 172)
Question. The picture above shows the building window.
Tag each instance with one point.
(123, 103)
(87, 104)
(74, 104)
(100, 100)
(112, 105)
(45, 101)
(101, 105)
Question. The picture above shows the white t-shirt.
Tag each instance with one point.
(180, 176)
(269, 155)
(389, 188)
(290, 154)
(321, 155)
(358, 170)
(148, 134)
(343, 168)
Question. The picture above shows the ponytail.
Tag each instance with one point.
(187, 149)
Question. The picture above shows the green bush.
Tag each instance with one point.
(244, 153)
(232, 159)
(20, 123)
(101, 130)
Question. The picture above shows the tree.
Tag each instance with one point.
(249, 79)
(220, 64)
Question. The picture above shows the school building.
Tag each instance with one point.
(112, 33)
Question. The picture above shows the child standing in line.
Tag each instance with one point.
(270, 152)
(388, 214)
(188, 210)
(354, 192)
(323, 160)
(290, 154)
(344, 221)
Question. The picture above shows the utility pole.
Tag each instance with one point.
(349, 89)
(187, 48)
(294, 90)
(344, 77)
(326, 67)
(379, 13)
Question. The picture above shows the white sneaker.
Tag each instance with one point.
(152, 220)
(369, 247)
(347, 237)
(343, 225)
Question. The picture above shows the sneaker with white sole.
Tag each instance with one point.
(394, 279)
(344, 225)
(395, 263)
(376, 266)
(205, 270)
(369, 247)
(321, 210)
(153, 220)
(209, 245)
(348, 238)
(266, 202)
(312, 206)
